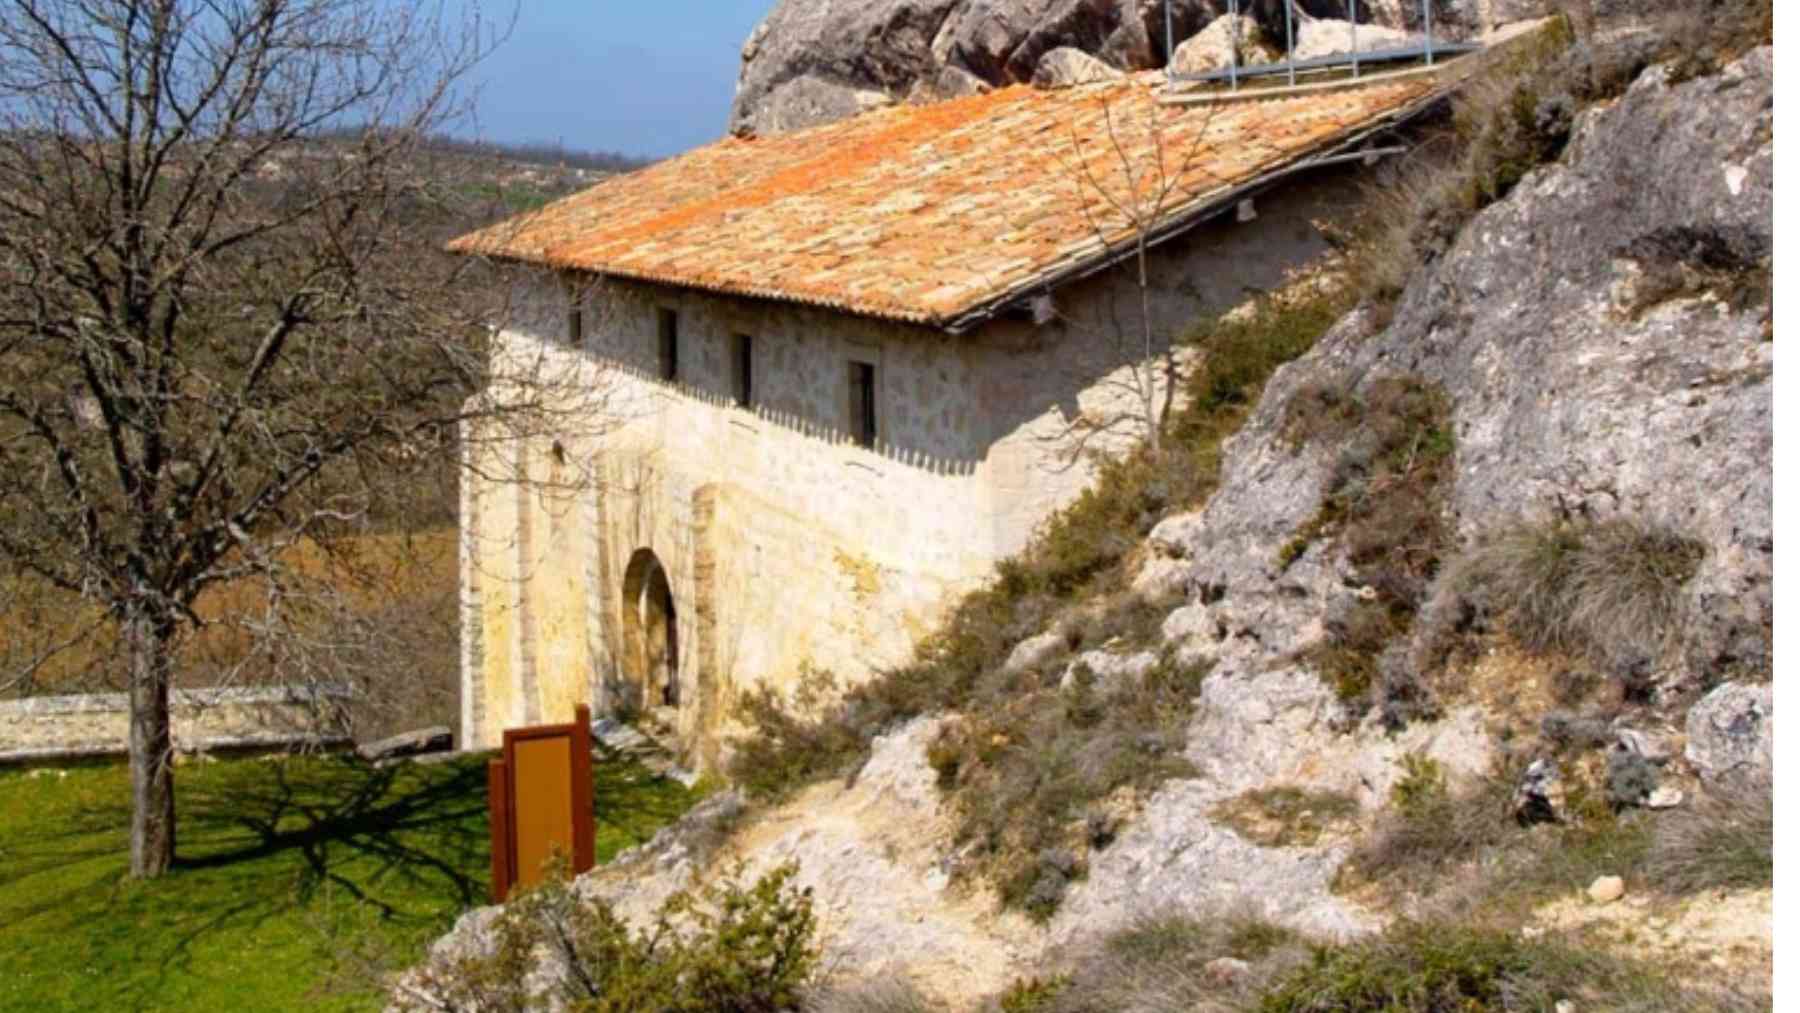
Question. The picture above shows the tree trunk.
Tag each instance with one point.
(152, 748)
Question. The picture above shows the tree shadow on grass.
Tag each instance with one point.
(288, 842)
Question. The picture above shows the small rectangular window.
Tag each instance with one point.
(862, 403)
(668, 345)
(742, 368)
(574, 292)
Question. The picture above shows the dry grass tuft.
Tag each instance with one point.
(1159, 965)
(1724, 841)
(885, 995)
(1605, 591)
(1285, 816)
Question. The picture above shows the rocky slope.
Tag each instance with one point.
(813, 61)
(1604, 350)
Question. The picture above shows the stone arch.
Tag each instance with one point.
(652, 647)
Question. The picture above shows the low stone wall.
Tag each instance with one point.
(52, 728)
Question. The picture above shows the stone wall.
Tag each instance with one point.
(786, 545)
(51, 728)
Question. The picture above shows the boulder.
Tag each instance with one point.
(1067, 67)
(947, 83)
(1216, 45)
(1652, 747)
(1327, 36)
(1225, 972)
(1731, 732)
(1035, 652)
(436, 739)
(1539, 796)
(1606, 889)
(1111, 672)
(810, 100)
(811, 61)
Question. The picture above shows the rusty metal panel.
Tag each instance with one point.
(499, 834)
(541, 802)
(543, 805)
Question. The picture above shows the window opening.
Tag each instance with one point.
(575, 328)
(862, 402)
(668, 345)
(742, 370)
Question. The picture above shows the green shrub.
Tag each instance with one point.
(1421, 784)
(1384, 505)
(793, 745)
(1417, 967)
(1511, 115)
(1158, 964)
(1032, 995)
(1434, 831)
(1430, 829)
(725, 948)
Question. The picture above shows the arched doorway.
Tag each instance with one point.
(652, 655)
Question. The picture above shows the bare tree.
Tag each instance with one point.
(227, 341)
(1152, 162)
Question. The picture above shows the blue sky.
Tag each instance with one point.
(642, 77)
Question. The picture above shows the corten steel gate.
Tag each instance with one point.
(541, 802)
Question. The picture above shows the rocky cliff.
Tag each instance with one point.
(813, 61)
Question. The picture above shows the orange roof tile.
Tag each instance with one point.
(932, 213)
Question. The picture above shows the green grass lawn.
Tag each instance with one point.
(298, 882)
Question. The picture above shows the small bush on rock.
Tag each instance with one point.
(725, 948)
(1384, 504)
(1423, 967)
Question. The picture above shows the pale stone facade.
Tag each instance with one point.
(782, 543)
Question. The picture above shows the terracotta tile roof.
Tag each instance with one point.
(933, 213)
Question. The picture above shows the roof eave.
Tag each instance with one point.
(1202, 210)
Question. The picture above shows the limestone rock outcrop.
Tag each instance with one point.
(814, 61)
(1219, 42)
(1067, 67)
(1731, 733)
(1327, 36)
(1581, 383)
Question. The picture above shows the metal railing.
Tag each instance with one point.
(1430, 49)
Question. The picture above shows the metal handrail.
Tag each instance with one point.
(1430, 49)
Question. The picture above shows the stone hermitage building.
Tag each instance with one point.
(841, 367)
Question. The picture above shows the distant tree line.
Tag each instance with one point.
(540, 153)
(536, 153)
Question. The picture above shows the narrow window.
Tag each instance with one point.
(862, 402)
(742, 370)
(574, 292)
(668, 345)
